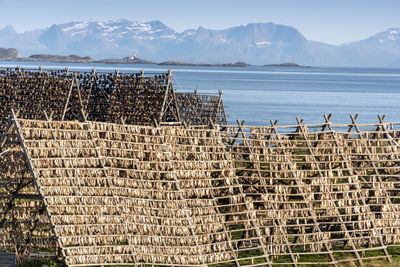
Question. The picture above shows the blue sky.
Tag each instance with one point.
(330, 21)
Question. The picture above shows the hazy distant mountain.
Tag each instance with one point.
(255, 43)
(8, 32)
(7, 35)
(8, 54)
(382, 49)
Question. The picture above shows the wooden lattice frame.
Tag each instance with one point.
(135, 98)
(303, 183)
(148, 193)
(255, 195)
(24, 223)
(198, 109)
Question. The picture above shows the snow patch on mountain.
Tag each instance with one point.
(168, 36)
(110, 29)
(255, 43)
(264, 43)
(393, 34)
(77, 26)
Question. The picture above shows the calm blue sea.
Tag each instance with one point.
(258, 94)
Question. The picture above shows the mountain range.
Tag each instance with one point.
(254, 43)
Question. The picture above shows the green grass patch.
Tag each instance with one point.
(37, 262)
(322, 257)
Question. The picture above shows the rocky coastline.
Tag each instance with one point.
(13, 55)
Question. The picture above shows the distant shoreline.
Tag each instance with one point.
(78, 59)
(178, 63)
(289, 64)
(127, 60)
(130, 60)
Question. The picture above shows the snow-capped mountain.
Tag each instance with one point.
(115, 31)
(255, 43)
(382, 49)
(389, 37)
(103, 39)
(97, 39)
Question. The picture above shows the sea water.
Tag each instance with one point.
(258, 94)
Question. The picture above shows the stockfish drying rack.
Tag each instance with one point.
(135, 98)
(100, 188)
